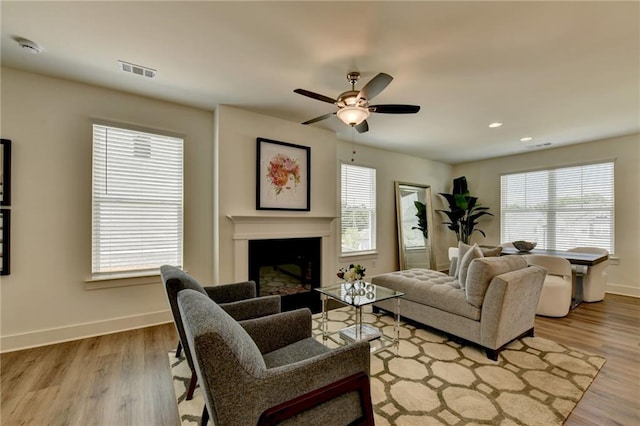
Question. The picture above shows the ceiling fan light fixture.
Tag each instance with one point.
(353, 115)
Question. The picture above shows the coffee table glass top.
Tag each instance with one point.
(359, 293)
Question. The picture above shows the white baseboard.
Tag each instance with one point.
(50, 336)
(623, 290)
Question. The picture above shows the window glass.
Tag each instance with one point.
(137, 202)
(358, 199)
(560, 208)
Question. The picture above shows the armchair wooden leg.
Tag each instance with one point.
(179, 349)
(192, 385)
(205, 416)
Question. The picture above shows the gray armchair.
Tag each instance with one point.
(271, 370)
(238, 300)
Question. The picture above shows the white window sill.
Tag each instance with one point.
(359, 255)
(122, 279)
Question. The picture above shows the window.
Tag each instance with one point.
(560, 208)
(358, 200)
(137, 200)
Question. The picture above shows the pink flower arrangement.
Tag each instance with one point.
(280, 167)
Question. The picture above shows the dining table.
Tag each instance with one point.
(579, 261)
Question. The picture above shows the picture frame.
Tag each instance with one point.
(283, 176)
(5, 172)
(5, 228)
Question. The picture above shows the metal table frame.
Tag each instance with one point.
(358, 295)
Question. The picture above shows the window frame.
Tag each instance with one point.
(374, 232)
(553, 209)
(136, 275)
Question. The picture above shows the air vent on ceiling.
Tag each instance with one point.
(137, 69)
(28, 45)
(538, 145)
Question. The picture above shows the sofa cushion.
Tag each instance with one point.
(298, 351)
(462, 250)
(473, 253)
(491, 251)
(431, 288)
(481, 272)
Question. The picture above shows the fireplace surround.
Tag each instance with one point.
(288, 267)
(250, 230)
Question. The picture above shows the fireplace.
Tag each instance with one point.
(288, 267)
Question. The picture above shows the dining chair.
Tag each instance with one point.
(594, 282)
(555, 298)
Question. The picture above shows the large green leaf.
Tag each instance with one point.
(464, 210)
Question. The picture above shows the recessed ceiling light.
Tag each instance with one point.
(526, 139)
(494, 125)
(28, 45)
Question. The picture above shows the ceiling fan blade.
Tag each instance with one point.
(314, 95)
(395, 109)
(375, 86)
(362, 127)
(322, 117)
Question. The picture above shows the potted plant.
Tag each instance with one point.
(421, 214)
(464, 211)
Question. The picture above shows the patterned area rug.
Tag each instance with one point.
(431, 380)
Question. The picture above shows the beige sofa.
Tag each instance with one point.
(491, 304)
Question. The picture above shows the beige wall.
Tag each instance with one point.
(49, 120)
(237, 131)
(624, 273)
(44, 300)
(391, 167)
(236, 142)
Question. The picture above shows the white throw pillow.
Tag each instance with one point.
(473, 253)
(462, 250)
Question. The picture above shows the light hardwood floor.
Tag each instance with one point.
(124, 378)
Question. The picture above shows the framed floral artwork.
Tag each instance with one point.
(283, 172)
(5, 227)
(5, 172)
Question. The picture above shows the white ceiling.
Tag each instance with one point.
(560, 72)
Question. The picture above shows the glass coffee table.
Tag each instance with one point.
(358, 295)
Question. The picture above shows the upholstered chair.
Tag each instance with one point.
(238, 299)
(555, 298)
(270, 369)
(595, 281)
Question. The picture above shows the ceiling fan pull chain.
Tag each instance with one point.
(353, 144)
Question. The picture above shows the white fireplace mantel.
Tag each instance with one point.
(262, 227)
(266, 227)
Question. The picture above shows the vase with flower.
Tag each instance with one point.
(353, 275)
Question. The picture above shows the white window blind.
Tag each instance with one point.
(137, 200)
(358, 200)
(560, 208)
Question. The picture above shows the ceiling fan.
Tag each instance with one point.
(353, 105)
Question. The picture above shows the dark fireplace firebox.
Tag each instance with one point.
(289, 268)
